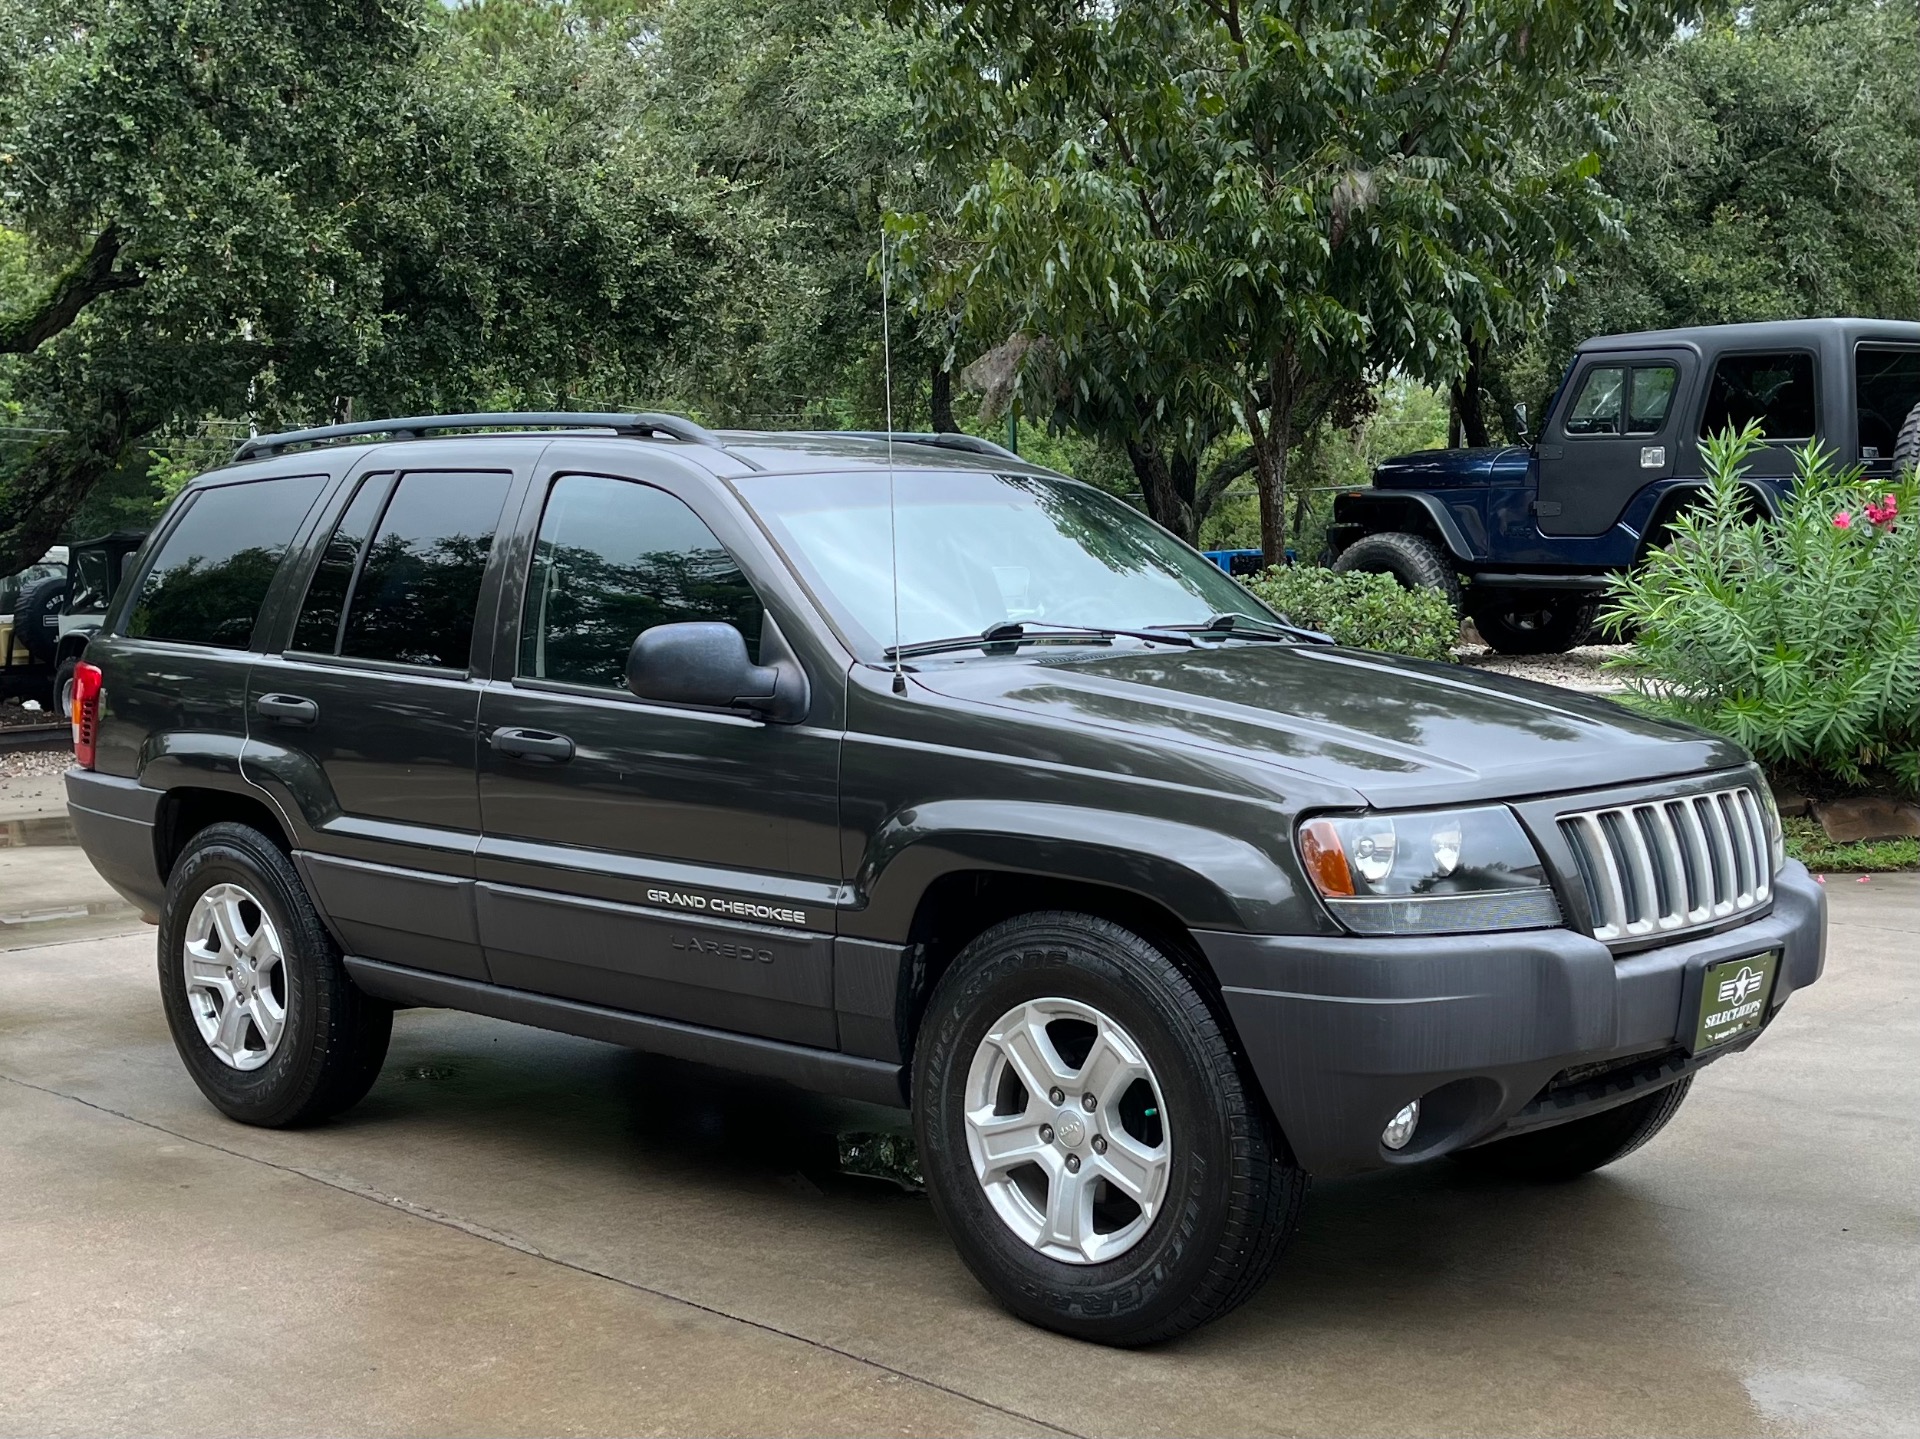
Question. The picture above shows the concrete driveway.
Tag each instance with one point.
(520, 1232)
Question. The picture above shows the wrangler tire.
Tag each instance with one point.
(1414, 560)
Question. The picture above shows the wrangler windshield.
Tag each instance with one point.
(978, 549)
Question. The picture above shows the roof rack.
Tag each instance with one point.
(944, 440)
(642, 424)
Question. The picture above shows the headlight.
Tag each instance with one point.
(1442, 872)
(1776, 835)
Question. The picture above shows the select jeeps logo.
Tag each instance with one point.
(1742, 986)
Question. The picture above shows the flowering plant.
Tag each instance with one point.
(1796, 633)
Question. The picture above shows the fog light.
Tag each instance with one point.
(1400, 1128)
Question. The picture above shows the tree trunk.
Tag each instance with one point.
(40, 493)
(1271, 440)
(1160, 482)
(1469, 400)
(942, 401)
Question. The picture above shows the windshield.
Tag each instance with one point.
(979, 549)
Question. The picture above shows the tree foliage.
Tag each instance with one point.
(1767, 168)
(251, 210)
(1193, 216)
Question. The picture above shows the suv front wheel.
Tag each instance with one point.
(261, 1008)
(1088, 1140)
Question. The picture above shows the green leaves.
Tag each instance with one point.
(327, 206)
(1795, 635)
(1368, 612)
(1306, 195)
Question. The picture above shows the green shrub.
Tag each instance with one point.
(1368, 612)
(1797, 636)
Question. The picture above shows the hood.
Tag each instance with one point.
(1396, 732)
(1436, 469)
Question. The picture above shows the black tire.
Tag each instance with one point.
(36, 617)
(1581, 1146)
(335, 1037)
(1906, 449)
(1233, 1196)
(1532, 622)
(63, 686)
(1414, 560)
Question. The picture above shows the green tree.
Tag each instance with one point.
(1188, 217)
(1767, 168)
(233, 208)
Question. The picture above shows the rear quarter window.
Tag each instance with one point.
(209, 578)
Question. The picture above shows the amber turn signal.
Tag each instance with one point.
(1324, 858)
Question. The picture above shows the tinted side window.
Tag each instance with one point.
(1596, 409)
(615, 558)
(1887, 382)
(319, 626)
(420, 579)
(1651, 399)
(1776, 390)
(210, 577)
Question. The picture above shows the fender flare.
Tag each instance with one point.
(1206, 879)
(1352, 506)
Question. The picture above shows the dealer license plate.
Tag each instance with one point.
(1733, 998)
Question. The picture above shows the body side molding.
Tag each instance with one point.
(821, 1070)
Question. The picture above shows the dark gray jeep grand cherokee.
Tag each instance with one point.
(1148, 905)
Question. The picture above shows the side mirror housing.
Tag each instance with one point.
(704, 664)
(1520, 422)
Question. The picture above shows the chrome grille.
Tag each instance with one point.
(1655, 866)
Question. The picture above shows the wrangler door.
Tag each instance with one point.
(667, 861)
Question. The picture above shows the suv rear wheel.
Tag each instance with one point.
(1532, 622)
(1088, 1141)
(261, 1008)
(1414, 560)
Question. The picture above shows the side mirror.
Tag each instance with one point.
(1520, 422)
(705, 664)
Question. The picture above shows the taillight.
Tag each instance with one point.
(86, 713)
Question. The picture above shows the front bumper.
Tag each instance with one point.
(1343, 1032)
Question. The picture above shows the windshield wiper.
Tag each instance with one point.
(1251, 627)
(1014, 632)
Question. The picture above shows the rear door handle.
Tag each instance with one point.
(287, 709)
(534, 744)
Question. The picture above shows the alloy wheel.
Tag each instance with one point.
(236, 973)
(1067, 1130)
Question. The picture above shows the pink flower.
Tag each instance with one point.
(1885, 512)
(1843, 521)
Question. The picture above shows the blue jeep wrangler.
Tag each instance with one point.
(1524, 538)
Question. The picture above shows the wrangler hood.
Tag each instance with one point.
(1397, 732)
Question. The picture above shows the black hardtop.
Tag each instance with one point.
(1761, 335)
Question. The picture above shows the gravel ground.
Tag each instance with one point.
(32, 763)
(1578, 669)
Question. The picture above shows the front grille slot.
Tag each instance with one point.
(1657, 866)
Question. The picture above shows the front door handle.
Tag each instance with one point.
(287, 709)
(533, 744)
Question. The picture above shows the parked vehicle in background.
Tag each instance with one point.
(1523, 538)
(23, 675)
(1148, 904)
(59, 606)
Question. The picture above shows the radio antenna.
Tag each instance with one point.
(893, 522)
